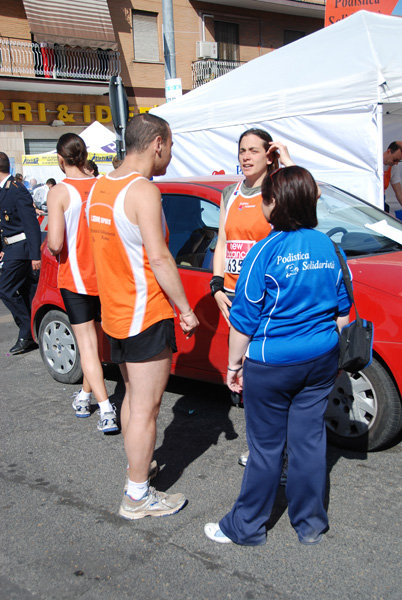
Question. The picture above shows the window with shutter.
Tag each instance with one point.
(145, 35)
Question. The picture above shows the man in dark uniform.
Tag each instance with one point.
(20, 252)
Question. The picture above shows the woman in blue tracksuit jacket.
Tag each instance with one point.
(290, 299)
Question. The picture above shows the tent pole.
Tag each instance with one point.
(380, 165)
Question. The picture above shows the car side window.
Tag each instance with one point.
(193, 225)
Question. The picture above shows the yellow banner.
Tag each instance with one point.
(50, 160)
(101, 158)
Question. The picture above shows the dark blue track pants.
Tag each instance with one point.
(284, 403)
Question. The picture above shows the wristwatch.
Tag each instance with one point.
(216, 284)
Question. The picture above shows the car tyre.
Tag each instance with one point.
(58, 348)
(364, 410)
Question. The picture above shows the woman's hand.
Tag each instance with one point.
(224, 304)
(238, 343)
(283, 152)
(234, 380)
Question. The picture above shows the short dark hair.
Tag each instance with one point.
(19, 177)
(92, 166)
(142, 129)
(4, 163)
(72, 148)
(295, 192)
(51, 181)
(266, 139)
(394, 147)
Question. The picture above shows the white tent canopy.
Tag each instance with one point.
(99, 139)
(101, 147)
(322, 95)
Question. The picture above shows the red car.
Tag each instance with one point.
(364, 410)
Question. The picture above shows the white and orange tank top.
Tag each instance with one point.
(76, 264)
(245, 225)
(131, 298)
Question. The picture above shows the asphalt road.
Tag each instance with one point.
(62, 482)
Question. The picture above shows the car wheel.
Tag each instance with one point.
(364, 410)
(58, 347)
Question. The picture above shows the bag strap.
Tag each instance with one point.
(346, 278)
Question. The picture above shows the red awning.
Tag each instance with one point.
(83, 23)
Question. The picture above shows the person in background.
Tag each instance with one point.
(92, 168)
(40, 196)
(138, 283)
(68, 239)
(19, 178)
(34, 184)
(19, 253)
(391, 159)
(290, 300)
(241, 223)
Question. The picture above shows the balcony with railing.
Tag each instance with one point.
(22, 58)
(207, 70)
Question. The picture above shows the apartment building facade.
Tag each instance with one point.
(56, 59)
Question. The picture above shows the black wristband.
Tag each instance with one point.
(216, 284)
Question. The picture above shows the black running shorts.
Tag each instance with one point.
(81, 308)
(145, 345)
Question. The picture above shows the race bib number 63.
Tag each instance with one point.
(236, 252)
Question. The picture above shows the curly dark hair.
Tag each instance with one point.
(295, 192)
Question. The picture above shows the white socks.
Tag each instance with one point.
(105, 407)
(137, 490)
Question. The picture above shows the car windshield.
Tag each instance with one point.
(357, 226)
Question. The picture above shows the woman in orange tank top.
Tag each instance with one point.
(68, 239)
(241, 222)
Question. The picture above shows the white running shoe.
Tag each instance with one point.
(214, 533)
(81, 407)
(154, 504)
(108, 422)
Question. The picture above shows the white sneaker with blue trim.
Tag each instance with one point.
(108, 422)
(154, 504)
(215, 533)
(81, 407)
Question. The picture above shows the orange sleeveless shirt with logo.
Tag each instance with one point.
(131, 298)
(245, 225)
(76, 264)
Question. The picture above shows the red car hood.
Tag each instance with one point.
(383, 272)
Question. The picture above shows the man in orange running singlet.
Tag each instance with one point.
(138, 281)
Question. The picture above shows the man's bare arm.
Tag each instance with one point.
(143, 207)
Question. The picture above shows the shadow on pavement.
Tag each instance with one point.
(194, 429)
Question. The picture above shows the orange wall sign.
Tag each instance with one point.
(336, 10)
